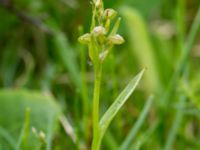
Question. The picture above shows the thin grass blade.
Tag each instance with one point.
(144, 138)
(127, 142)
(23, 138)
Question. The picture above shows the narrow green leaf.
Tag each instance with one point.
(23, 138)
(118, 103)
(176, 124)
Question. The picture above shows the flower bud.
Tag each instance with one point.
(99, 3)
(85, 39)
(110, 13)
(99, 31)
(116, 39)
(42, 135)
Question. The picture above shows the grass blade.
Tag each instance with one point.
(178, 116)
(127, 142)
(189, 43)
(68, 128)
(144, 138)
(118, 103)
(176, 124)
(65, 53)
(67, 56)
(6, 135)
(23, 138)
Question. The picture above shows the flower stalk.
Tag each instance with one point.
(96, 95)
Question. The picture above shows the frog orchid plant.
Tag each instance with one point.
(100, 41)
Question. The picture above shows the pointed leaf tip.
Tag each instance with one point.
(119, 102)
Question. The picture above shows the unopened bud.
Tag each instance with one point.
(110, 13)
(99, 30)
(98, 3)
(42, 135)
(116, 39)
(85, 39)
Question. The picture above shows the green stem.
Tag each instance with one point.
(97, 84)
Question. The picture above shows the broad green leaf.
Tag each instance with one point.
(118, 103)
(44, 113)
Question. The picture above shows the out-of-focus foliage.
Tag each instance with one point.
(39, 51)
(43, 116)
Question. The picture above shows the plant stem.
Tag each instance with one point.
(96, 94)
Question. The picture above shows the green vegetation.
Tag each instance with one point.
(68, 75)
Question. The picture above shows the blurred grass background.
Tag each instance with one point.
(39, 51)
